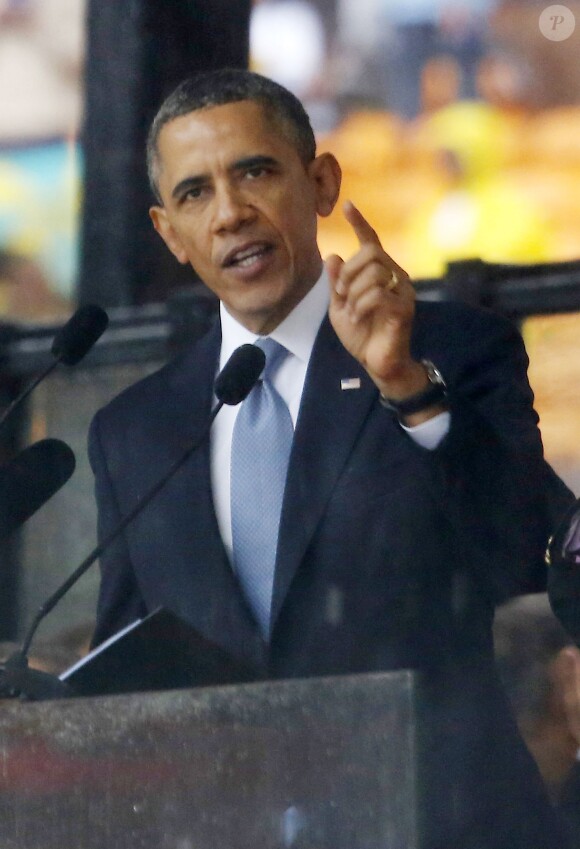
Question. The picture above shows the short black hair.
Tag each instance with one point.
(231, 85)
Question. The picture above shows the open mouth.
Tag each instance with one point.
(247, 256)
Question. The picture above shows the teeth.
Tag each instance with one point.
(248, 260)
(248, 256)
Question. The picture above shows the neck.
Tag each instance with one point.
(262, 324)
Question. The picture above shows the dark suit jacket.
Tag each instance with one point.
(389, 556)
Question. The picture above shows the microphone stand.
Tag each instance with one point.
(26, 391)
(70, 345)
(17, 679)
(232, 385)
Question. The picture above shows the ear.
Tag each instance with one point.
(163, 226)
(327, 176)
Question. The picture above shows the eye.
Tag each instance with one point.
(193, 193)
(255, 171)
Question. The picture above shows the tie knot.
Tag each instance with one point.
(275, 353)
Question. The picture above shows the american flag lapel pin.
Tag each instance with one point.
(350, 383)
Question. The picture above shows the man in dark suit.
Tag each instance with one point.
(415, 495)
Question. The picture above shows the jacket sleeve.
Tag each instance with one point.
(500, 497)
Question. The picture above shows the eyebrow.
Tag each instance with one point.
(239, 165)
(187, 184)
(253, 162)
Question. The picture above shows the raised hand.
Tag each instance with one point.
(372, 308)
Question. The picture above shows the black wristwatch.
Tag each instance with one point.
(435, 393)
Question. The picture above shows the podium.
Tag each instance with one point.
(320, 763)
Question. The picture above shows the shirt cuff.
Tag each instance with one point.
(430, 433)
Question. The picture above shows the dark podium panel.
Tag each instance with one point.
(326, 763)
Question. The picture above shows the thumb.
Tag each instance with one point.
(333, 265)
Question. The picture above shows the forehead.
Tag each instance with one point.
(222, 133)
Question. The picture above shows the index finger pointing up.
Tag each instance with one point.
(364, 232)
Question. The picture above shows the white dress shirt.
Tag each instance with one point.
(297, 334)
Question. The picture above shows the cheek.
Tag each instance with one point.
(290, 208)
(304, 231)
(298, 221)
(197, 247)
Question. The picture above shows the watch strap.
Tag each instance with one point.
(435, 393)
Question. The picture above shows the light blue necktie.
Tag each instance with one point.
(261, 444)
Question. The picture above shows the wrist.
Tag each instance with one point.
(406, 381)
(414, 407)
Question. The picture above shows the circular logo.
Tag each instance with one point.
(557, 23)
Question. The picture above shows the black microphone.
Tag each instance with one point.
(70, 345)
(232, 385)
(79, 334)
(30, 479)
(239, 374)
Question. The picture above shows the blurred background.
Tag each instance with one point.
(457, 125)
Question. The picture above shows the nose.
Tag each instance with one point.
(232, 208)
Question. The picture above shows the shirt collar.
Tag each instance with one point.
(296, 333)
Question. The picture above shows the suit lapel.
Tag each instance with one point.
(214, 602)
(329, 421)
